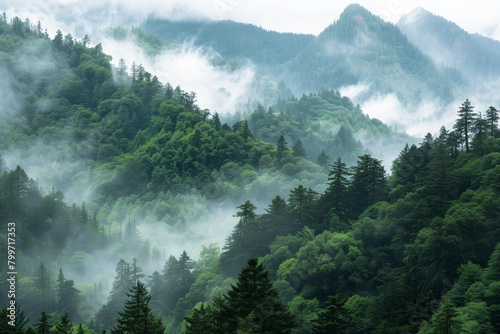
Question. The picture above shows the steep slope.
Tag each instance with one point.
(475, 56)
(359, 47)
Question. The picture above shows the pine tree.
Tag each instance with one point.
(323, 159)
(136, 317)
(298, 149)
(334, 319)
(445, 320)
(338, 184)
(281, 148)
(254, 306)
(57, 42)
(438, 178)
(301, 207)
(64, 326)
(42, 282)
(492, 120)
(369, 183)
(43, 326)
(276, 218)
(465, 122)
(480, 127)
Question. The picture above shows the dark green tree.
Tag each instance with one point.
(43, 282)
(57, 42)
(445, 320)
(281, 148)
(137, 317)
(338, 186)
(43, 326)
(492, 120)
(480, 127)
(298, 149)
(323, 159)
(369, 183)
(335, 318)
(253, 305)
(465, 121)
(300, 204)
(64, 326)
(439, 179)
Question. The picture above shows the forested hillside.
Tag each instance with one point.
(473, 55)
(136, 210)
(358, 48)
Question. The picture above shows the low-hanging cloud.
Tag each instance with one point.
(217, 88)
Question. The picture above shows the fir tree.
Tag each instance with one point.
(298, 149)
(136, 317)
(334, 319)
(64, 326)
(323, 159)
(338, 183)
(43, 326)
(465, 122)
(492, 120)
(253, 305)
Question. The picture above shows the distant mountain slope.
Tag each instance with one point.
(359, 47)
(475, 56)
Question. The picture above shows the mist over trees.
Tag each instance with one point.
(326, 237)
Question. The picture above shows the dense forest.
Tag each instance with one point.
(326, 239)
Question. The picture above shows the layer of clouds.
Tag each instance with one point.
(216, 88)
(286, 16)
(428, 116)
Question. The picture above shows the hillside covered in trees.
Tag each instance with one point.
(100, 166)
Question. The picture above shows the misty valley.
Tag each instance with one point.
(266, 199)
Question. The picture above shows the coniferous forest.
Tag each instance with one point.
(114, 186)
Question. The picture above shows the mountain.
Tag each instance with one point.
(358, 48)
(475, 56)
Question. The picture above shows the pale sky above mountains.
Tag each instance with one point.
(300, 16)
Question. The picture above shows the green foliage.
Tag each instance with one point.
(136, 317)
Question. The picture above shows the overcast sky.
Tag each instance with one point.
(300, 16)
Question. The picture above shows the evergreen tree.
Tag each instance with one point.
(445, 320)
(135, 271)
(492, 120)
(136, 317)
(334, 319)
(298, 149)
(480, 127)
(42, 282)
(199, 322)
(281, 148)
(465, 122)
(66, 293)
(43, 326)
(323, 159)
(301, 207)
(338, 185)
(253, 305)
(276, 218)
(438, 178)
(64, 326)
(247, 212)
(369, 183)
(216, 122)
(57, 42)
